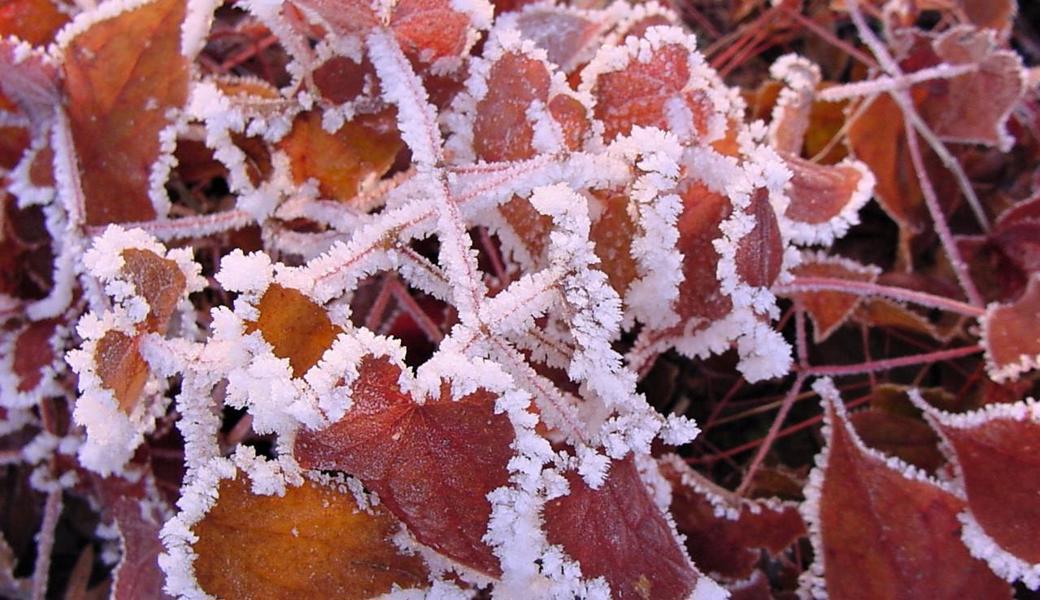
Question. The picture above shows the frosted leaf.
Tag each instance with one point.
(830, 309)
(790, 118)
(1009, 335)
(634, 83)
(997, 468)
(725, 534)
(825, 200)
(858, 499)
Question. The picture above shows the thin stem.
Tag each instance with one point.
(910, 114)
(894, 84)
(960, 268)
(828, 36)
(774, 430)
(865, 288)
(893, 363)
(45, 544)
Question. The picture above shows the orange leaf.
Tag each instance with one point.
(123, 75)
(361, 151)
(297, 327)
(313, 542)
(121, 367)
(430, 29)
(33, 21)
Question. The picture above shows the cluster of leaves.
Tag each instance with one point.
(446, 298)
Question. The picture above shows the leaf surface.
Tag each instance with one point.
(312, 542)
(123, 76)
(432, 464)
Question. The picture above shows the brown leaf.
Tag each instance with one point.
(998, 460)
(313, 542)
(829, 310)
(724, 532)
(158, 280)
(123, 75)
(882, 530)
(618, 533)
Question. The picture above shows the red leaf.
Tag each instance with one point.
(430, 29)
(123, 75)
(724, 532)
(432, 464)
(883, 530)
(975, 107)
(700, 295)
(825, 200)
(30, 81)
(998, 458)
(618, 533)
(33, 21)
(566, 35)
(501, 129)
(761, 252)
(1011, 334)
(33, 352)
(138, 574)
(640, 92)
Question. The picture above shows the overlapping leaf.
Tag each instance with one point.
(881, 529)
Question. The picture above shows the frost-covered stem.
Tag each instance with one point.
(799, 334)
(893, 363)
(186, 227)
(45, 544)
(774, 430)
(828, 37)
(910, 114)
(866, 288)
(893, 84)
(939, 220)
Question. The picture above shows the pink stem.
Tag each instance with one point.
(865, 288)
(892, 363)
(774, 430)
